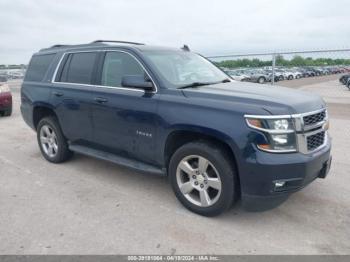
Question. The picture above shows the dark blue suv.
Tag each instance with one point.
(172, 112)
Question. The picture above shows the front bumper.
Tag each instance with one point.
(5, 101)
(294, 171)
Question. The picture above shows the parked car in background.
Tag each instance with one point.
(15, 75)
(307, 72)
(279, 74)
(344, 79)
(5, 98)
(297, 73)
(259, 76)
(264, 74)
(317, 71)
(238, 76)
(290, 74)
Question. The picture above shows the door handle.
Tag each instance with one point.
(101, 100)
(58, 94)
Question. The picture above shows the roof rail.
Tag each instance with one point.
(54, 46)
(115, 41)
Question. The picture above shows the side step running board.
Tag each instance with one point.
(122, 161)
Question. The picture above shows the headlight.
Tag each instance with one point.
(4, 88)
(279, 132)
(281, 124)
(271, 124)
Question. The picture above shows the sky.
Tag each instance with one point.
(210, 27)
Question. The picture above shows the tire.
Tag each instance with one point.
(52, 143)
(261, 80)
(290, 77)
(8, 112)
(220, 170)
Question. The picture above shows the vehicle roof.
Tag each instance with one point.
(105, 45)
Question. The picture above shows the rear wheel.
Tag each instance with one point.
(203, 178)
(261, 80)
(52, 143)
(8, 112)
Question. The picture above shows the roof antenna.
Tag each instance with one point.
(185, 48)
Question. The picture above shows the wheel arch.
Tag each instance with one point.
(185, 134)
(41, 110)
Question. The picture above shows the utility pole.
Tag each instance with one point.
(273, 68)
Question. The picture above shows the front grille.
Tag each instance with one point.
(314, 119)
(315, 141)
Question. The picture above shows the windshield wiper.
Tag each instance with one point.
(194, 84)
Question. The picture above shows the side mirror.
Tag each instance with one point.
(137, 81)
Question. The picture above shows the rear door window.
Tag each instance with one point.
(78, 68)
(38, 67)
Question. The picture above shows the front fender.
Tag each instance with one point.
(201, 130)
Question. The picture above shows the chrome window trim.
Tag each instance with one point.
(302, 132)
(56, 69)
(103, 86)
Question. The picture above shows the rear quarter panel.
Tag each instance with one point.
(34, 94)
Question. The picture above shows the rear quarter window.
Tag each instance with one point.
(38, 67)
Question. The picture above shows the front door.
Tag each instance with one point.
(124, 119)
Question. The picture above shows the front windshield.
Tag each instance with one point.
(181, 68)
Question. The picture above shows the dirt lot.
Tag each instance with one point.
(88, 206)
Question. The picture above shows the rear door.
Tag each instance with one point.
(124, 119)
(72, 96)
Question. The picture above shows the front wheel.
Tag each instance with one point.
(203, 178)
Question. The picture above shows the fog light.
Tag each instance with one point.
(279, 184)
(280, 139)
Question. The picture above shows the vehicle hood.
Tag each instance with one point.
(274, 99)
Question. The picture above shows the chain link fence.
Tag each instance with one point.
(286, 66)
(264, 67)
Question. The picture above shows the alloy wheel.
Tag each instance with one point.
(198, 181)
(48, 140)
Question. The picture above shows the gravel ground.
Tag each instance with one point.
(88, 206)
